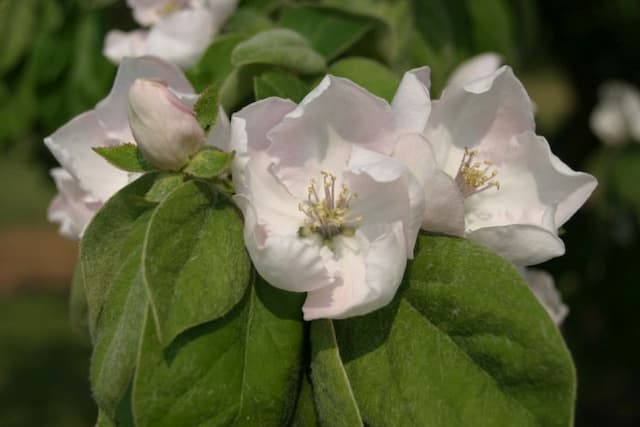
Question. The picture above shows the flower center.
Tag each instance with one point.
(473, 176)
(327, 216)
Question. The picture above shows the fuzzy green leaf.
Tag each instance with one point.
(330, 31)
(165, 183)
(371, 75)
(281, 84)
(464, 342)
(195, 264)
(209, 163)
(126, 157)
(280, 47)
(206, 107)
(239, 370)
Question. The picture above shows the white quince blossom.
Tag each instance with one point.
(543, 287)
(487, 175)
(179, 30)
(327, 210)
(86, 181)
(616, 118)
(164, 127)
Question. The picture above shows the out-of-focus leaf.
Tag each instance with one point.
(247, 21)
(330, 31)
(215, 64)
(279, 47)
(281, 84)
(371, 75)
(17, 24)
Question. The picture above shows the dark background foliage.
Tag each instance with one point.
(51, 68)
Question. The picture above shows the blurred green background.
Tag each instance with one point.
(51, 69)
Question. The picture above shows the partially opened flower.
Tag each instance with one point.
(87, 180)
(326, 210)
(543, 287)
(497, 182)
(616, 118)
(179, 30)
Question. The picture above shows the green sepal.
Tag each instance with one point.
(206, 107)
(127, 157)
(209, 163)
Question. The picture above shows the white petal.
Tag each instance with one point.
(543, 287)
(532, 181)
(119, 44)
(112, 111)
(182, 37)
(475, 68)
(485, 113)
(412, 103)
(220, 135)
(285, 261)
(71, 146)
(336, 113)
(71, 207)
(443, 202)
(370, 276)
(523, 244)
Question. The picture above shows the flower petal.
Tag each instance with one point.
(119, 44)
(523, 244)
(71, 146)
(412, 103)
(443, 202)
(71, 207)
(543, 287)
(285, 261)
(220, 135)
(475, 68)
(485, 113)
(370, 276)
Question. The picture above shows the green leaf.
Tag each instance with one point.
(464, 342)
(78, 308)
(239, 370)
(280, 47)
(333, 395)
(126, 157)
(305, 413)
(492, 25)
(195, 263)
(330, 31)
(110, 257)
(281, 84)
(248, 21)
(209, 163)
(17, 22)
(371, 75)
(237, 89)
(215, 64)
(266, 6)
(164, 184)
(206, 107)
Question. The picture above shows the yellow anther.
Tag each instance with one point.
(472, 177)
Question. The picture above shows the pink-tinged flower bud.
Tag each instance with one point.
(164, 128)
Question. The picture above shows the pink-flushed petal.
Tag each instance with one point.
(533, 181)
(148, 12)
(119, 44)
(71, 146)
(221, 10)
(182, 37)
(443, 202)
(543, 287)
(386, 192)
(336, 113)
(285, 261)
(483, 115)
(523, 244)
(249, 126)
(219, 135)
(113, 110)
(72, 207)
(475, 68)
(370, 276)
(411, 104)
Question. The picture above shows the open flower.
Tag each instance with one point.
(86, 180)
(179, 30)
(495, 180)
(616, 118)
(543, 287)
(326, 210)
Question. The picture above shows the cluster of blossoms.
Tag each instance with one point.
(335, 190)
(616, 118)
(178, 31)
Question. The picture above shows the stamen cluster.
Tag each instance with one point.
(327, 216)
(474, 177)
